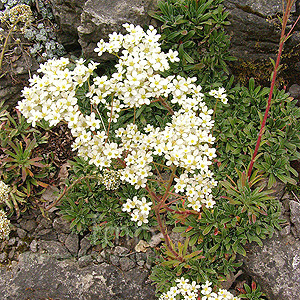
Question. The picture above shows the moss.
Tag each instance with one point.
(260, 71)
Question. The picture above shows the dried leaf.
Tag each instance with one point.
(141, 246)
(63, 174)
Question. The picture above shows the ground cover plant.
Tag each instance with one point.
(171, 176)
(27, 27)
(22, 170)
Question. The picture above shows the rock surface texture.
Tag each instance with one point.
(255, 33)
(276, 266)
(100, 18)
(87, 21)
(252, 35)
(43, 260)
(39, 276)
(67, 14)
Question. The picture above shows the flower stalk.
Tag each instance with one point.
(283, 38)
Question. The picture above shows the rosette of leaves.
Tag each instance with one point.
(195, 28)
(236, 131)
(20, 166)
(252, 292)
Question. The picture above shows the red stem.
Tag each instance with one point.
(187, 212)
(283, 38)
(165, 104)
(160, 201)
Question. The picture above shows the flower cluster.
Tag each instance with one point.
(4, 192)
(222, 294)
(110, 179)
(20, 13)
(190, 291)
(219, 94)
(4, 225)
(140, 209)
(52, 97)
(185, 142)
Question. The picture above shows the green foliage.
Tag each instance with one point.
(237, 126)
(251, 293)
(89, 206)
(20, 167)
(195, 29)
(244, 212)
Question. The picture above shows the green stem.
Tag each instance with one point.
(5, 43)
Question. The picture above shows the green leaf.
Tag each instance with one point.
(207, 229)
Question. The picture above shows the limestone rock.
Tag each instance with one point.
(67, 15)
(255, 33)
(53, 248)
(61, 225)
(42, 276)
(72, 243)
(100, 18)
(295, 215)
(85, 245)
(263, 8)
(276, 266)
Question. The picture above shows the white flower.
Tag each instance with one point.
(4, 225)
(4, 192)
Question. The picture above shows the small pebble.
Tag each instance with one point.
(34, 246)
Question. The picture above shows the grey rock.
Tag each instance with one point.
(126, 263)
(46, 234)
(66, 281)
(286, 205)
(295, 215)
(62, 237)
(115, 260)
(10, 90)
(54, 249)
(72, 243)
(34, 246)
(119, 251)
(285, 231)
(105, 253)
(43, 222)
(21, 233)
(3, 245)
(255, 33)
(11, 253)
(140, 263)
(51, 194)
(99, 258)
(20, 243)
(276, 266)
(84, 261)
(294, 91)
(3, 257)
(67, 15)
(61, 225)
(28, 225)
(85, 245)
(141, 256)
(97, 20)
(11, 241)
(261, 8)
